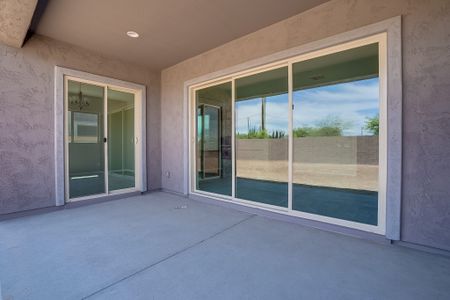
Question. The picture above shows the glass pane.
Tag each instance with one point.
(85, 139)
(213, 156)
(211, 141)
(336, 100)
(121, 140)
(261, 109)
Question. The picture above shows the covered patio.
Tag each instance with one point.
(224, 149)
(164, 246)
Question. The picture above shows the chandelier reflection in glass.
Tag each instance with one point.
(79, 100)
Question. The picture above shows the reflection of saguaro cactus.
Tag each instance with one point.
(263, 113)
(255, 133)
(278, 134)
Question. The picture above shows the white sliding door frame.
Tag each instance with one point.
(62, 76)
(378, 37)
(268, 68)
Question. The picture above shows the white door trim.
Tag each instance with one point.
(391, 86)
(59, 125)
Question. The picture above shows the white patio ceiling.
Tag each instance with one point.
(170, 30)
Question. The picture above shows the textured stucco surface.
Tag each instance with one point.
(26, 117)
(15, 19)
(426, 109)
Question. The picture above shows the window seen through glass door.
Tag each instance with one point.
(85, 139)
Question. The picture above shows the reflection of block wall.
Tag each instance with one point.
(262, 149)
(333, 150)
(367, 150)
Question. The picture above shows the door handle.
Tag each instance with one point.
(136, 140)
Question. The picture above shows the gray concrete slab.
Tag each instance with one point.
(151, 247)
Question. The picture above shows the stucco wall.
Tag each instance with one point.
(426, 88)
(26, 117)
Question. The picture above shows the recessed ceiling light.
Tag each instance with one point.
(133, 34)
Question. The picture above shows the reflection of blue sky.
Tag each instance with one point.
(248, 114)
(351, 102)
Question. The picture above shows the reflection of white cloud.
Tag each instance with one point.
(248, 114)
(352, 102)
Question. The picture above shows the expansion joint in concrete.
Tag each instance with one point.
(169, 256)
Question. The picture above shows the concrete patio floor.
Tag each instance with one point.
(162, 246)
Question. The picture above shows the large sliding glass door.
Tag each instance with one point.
(305, 138)
(100, 127)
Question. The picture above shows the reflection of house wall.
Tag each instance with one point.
(211, 158)
(222, 99)
(332, 150)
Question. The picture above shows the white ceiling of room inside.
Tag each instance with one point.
(170, 30)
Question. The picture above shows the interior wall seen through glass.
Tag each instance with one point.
(213, 142)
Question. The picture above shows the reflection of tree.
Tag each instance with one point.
(259, 133)
(331, 125)
(373, 124)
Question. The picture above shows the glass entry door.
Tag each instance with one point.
(100, 130)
